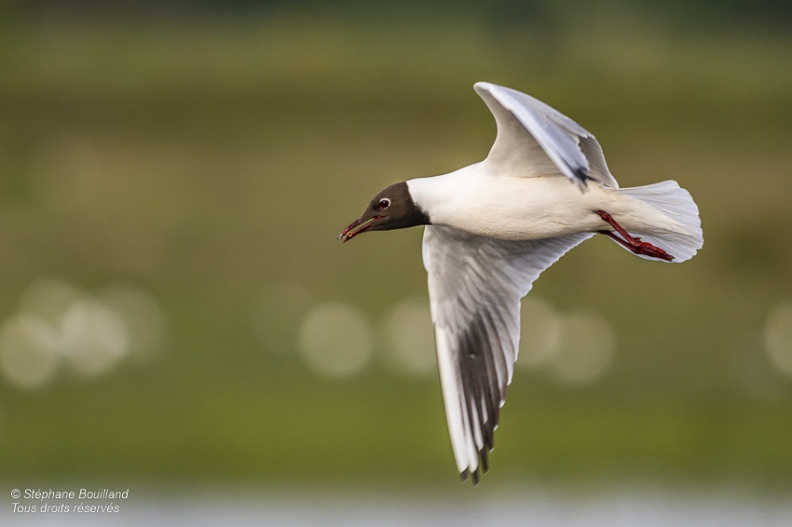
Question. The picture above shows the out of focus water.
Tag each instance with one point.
(621, 508)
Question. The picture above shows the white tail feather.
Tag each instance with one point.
(674, 202)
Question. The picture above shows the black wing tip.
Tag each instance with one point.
(473, 475)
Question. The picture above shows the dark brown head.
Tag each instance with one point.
(393, 208)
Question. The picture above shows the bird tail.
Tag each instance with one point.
(676, 204)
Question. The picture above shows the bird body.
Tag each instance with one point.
(529, 208)
(494, 226)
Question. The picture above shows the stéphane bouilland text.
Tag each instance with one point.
(82, 494)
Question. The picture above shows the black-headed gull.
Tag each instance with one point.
(494, 226)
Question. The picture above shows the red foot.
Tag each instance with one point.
(632, 243)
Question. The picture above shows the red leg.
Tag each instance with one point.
(632, 243)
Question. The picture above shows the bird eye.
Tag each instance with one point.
(384, 203)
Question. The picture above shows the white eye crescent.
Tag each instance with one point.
(384, 203)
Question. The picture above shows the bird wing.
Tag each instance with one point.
(536, 140)
(475, 287)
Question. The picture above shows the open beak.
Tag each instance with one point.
(356, 227)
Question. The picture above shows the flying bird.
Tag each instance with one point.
(494, 226)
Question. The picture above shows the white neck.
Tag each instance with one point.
(443, 197)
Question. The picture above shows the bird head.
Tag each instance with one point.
(393, 208)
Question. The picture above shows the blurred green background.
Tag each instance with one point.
(176, 308)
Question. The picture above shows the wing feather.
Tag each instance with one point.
(536, 140)
(475, 287)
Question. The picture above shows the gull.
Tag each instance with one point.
(491, 228)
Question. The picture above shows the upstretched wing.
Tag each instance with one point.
(475, 287)
(536, 140)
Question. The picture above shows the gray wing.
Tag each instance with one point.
(475, 287)
(536, 140)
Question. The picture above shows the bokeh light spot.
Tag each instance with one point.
(408, 327)
(28, 351)
(778, 338)
(59, 323)
(93, 337)
(142, 316)
(335, 340)
(49, 298)
(587, 348)
(541, 329)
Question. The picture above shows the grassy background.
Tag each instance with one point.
(206, 157)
